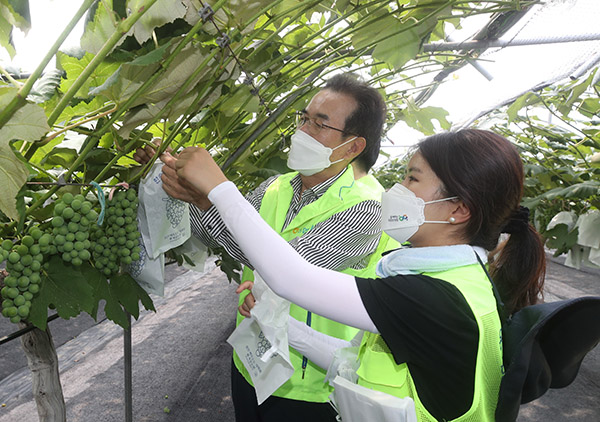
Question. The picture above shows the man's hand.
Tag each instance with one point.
(178, 188)
(196, 167)
(249, 301)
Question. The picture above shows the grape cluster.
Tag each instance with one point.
(73, 216)
(24, 263)
(117, 242)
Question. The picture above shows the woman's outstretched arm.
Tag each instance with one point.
(327, 293)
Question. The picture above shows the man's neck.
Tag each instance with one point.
(309, 182)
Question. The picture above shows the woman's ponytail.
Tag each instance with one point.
(518, 265)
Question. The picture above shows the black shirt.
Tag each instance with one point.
(427, 323)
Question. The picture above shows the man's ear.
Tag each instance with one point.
(356, 147)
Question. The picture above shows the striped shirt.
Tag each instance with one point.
(345, 240)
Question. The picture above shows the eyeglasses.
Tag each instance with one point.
(303, 118)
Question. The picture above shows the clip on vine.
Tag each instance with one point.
(206, 13)
(223, 41)
(282, 143)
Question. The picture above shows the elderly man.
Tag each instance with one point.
(327, 209)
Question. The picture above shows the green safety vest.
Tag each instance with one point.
(379, 371)
(343, 194)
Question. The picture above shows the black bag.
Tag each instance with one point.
(544, 346)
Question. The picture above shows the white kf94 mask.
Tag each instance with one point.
(308, 156)
(402, 212)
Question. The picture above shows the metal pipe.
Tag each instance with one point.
(127, 370)
(476, 65)
(497, 43)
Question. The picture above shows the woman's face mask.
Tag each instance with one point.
(308, 156)
(402, 213)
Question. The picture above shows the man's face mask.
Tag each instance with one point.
(308, 156)
(402, 213)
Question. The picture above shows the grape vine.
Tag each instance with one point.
(72, 233)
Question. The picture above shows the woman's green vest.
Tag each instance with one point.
(379, 371)
(343, 194)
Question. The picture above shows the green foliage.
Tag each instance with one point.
(73, 290)
(561, 239)
(231, 267)
(391, 172)
(422, 119)
(559, 153)
(67, 288)
(231, 83)
(13, 13)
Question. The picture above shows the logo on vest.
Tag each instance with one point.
(303, 230)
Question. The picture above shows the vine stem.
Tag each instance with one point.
(586, 137)
(19, 100)
(122, 29)
(10, 78)
(63, 130)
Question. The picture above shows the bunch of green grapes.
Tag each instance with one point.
(24, 264)
(117, 242)
(73, 217)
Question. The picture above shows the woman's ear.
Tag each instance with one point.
(460, 213)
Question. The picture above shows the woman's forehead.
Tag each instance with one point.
(418, 164)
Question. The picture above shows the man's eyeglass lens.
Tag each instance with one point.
(303, 118)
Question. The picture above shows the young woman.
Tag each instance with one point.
(434, 330)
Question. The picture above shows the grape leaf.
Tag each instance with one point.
(128, 78)
(129, 293)
(421, 119)
(75, 66)
(561, 239)
(13, 174)
(112, 308)
(19, 14)
(29, 122)
(45, 87)
(98, 30)
(59, 156)
(67, 288)
(160, 13)
(523, 101)
(13, 13)
(5, 32)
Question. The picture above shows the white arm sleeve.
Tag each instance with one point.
(327, 293)
(316, 346)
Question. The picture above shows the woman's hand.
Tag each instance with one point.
(196, 167)
(249, 301)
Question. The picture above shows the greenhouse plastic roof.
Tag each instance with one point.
(519, 69)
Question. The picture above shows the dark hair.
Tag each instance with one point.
(368, 118)
(485, 171)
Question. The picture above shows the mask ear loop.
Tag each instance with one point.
(339, 146)
(439, 200)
